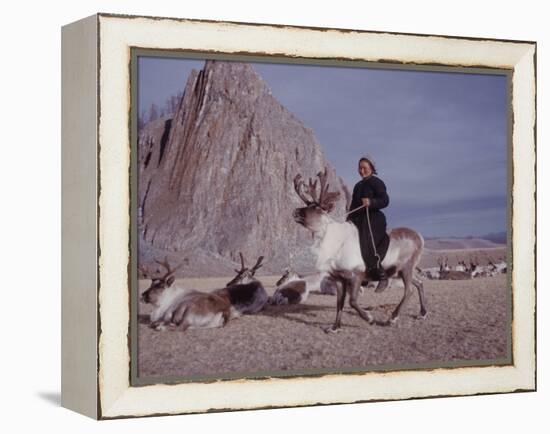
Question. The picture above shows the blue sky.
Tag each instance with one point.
(439, 139)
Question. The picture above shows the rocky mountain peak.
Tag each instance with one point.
(216, 178)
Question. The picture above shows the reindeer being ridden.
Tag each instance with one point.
(336, 247)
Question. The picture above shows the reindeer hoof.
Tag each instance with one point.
(382, 285)
(331, 329)
(422, 315)
(393, 320)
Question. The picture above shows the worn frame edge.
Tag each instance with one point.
(524, 69)
(79, 180)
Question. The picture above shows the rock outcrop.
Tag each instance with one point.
(217, 177)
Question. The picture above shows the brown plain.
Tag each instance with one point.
(467, 323)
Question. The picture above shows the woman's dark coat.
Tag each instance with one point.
(373, 188)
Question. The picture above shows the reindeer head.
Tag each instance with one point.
(245, 275)
(313, 215)
(287, 276)
(443, 263)
(284, 277)
(474, 263)
(159, 284)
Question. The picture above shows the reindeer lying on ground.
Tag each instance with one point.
(455, 275)
(461, 266)
(431, 273)
(447, 273)
(489, 270)
(292, 288)
(244, 291)
(501, 266)
(443, 264)
(336, 246)
(462, 271)
(176, 306)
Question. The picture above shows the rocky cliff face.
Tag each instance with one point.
(216, 178)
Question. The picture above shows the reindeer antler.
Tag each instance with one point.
(298, 184)
(312, 190)
(169, 271)
(324, 185)
(324, 199)
(144, 271)
(257, 266)
(243, 268)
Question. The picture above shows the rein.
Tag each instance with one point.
(356, 209)
(372, 239)
(370, 230)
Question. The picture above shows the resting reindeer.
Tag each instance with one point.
(177, 306)
(461, 266)
(455, 275)
(501, 266)
(244, 291)
(443, 264)
(321, 282)
(459, 272)
(291, 292)
(292, 288)
(431, 273)
(337, 249)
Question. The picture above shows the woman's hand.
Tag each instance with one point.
(366, 201)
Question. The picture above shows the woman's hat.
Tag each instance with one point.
(369, 160)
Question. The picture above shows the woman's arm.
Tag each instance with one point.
(380, 197)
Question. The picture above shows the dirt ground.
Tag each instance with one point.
(468, 321)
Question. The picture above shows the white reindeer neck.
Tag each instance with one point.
(320, 230)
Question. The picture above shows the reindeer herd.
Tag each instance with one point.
(339, 265)
(178, 307)
(463, 271)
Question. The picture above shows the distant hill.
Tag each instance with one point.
(452, 243)
(496, 237)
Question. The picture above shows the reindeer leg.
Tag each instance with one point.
(179, 317)
(355, 286)
(158, 326)
(406, 275)
(226, 316)
(420, 287)
(340, 299)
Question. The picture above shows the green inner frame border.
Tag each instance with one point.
(136, 52)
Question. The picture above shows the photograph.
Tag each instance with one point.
(294, 218)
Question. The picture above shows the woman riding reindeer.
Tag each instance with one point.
(337, 251)
(369, 197)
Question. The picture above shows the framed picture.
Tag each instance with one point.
(260, 216)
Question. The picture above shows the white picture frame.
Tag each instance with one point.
(96, 220)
